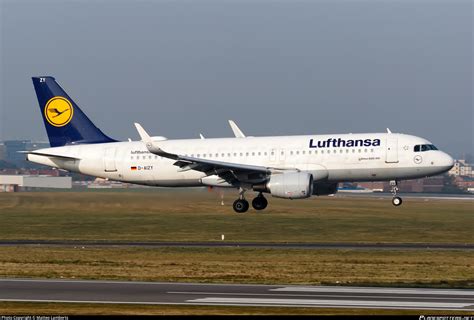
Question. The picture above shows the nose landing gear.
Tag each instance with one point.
(396, 200)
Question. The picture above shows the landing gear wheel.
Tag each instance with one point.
(241, 205)
(396, 201)
(259, 203)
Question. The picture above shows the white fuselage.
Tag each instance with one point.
(393, 158)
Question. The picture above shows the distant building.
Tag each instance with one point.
(10, 151)
(13, 183)
(376, 186)
(2, 151)
(433, 184)
(33, 145)
(464, 182)
(461, 168)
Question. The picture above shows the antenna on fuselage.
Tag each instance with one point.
(388, 130)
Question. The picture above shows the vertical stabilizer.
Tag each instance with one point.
(64, 121)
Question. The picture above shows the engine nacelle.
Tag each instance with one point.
(291, 185)
(324, 189)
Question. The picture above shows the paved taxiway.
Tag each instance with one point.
(224, 244)
(233, 294)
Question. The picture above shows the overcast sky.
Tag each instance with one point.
(276, 67)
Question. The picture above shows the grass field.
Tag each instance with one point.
(198, 216)
(244, 265)
(163, 215)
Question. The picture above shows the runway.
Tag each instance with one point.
(123, 292)
(226, 244)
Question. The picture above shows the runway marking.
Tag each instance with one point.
(309, 295)
(466, 292)
(360, 303)
(116, 292)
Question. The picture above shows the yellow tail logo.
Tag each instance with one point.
(58, 111)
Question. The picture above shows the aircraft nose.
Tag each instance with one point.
(446, 161)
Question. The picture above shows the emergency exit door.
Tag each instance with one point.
(109, 160)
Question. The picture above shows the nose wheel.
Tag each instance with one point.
(396, 200)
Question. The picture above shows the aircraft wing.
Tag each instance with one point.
(234, 173)
(230, 172)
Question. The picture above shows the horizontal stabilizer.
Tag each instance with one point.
(50, 155)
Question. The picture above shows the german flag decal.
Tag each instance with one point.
(133, 168)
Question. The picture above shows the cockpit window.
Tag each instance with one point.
(424, 147)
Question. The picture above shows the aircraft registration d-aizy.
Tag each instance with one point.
(290, 167)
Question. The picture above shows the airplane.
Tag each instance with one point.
(289, 167)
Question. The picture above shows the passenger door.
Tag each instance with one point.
(391, 151)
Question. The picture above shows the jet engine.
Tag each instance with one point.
(290, 185)
(324, 189)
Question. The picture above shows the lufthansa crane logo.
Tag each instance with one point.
(58, 111)
(418, 159)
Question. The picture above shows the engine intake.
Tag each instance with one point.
(291, 185)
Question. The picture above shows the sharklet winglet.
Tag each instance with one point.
(237, 132)
(143, 134)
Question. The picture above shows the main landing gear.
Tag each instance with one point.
(396, 200)
(259, 202)
(241, 205)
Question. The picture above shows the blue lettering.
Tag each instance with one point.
(339, 142)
